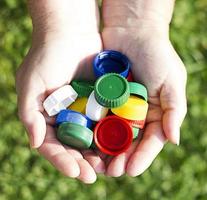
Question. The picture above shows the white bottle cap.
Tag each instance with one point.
(94, 110)
(59, 100)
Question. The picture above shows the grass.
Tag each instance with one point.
(178, 172)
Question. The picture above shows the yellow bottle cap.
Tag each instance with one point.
(134, 109)
(79, 105)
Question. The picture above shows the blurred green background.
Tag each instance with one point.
(177, 173)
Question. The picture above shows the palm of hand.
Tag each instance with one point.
(54, 64)
(45, 69)
(154, 64)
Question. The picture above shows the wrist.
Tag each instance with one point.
(138, 14)
(144, 32)
(54, 17)
(48, 15)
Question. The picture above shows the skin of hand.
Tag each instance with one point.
(63, 46)
(140, 30)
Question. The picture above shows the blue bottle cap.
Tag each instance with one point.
(111, 62)
(73, 117)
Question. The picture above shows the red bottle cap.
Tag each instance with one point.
(113, 135)
(130, 77)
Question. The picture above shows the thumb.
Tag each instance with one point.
(173, 102)
(30, 110)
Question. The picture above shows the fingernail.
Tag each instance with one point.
(178, 138)
(178, 142)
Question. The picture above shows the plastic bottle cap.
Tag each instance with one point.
(83, 88)
(138, 89)
(113, 135)
(111, 90)
(73, 117)
(134, 123)
(94, 110)
(134, 109)
(130, 77)
(137, 123)
(135, 132)
(59, 100)
(111, 62)
(93, 146)
(79, 105)
(75, 135)
(134, 126)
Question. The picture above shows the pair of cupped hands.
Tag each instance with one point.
(59, 55)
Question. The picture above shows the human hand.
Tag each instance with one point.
(144, 39)
(59, 52)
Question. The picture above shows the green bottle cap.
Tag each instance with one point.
(75, 135)
(138, 89)
(135, 132)
(93, 146)
(111, 90)
(83, 88)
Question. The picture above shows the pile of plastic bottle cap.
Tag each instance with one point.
(106, 114)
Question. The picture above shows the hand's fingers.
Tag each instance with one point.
(118, 163)
(95, 161)
(116, 166)
(30, 111)
(35, 125)
(49, 120)
(149, 147)
(55, 152)
(87, 173)
(102, 155)
(75, 153)
(173, 103)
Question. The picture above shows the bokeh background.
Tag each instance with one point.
(177, 173)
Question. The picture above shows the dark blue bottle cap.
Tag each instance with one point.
(110, 61)
(73, 117)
